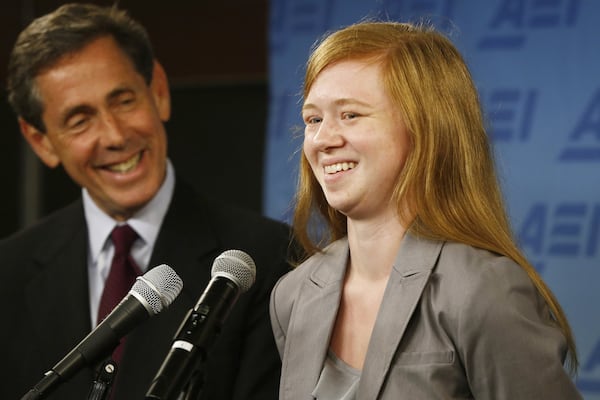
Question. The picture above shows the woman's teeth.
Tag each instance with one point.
(343, 166)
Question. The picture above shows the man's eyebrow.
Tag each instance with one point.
(87, 109)
(113, 94)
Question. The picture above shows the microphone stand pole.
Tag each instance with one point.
(194, 386)
(105, 376)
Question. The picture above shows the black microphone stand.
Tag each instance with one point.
(102, 384)
(197, 332)
(194, 386)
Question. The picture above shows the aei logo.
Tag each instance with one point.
(568, 229)
(512, 19)
(510, 111)
(570, 232)
(584, 140)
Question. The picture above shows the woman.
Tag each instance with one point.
(421, 291)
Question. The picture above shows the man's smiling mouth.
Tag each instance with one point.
(126, 166)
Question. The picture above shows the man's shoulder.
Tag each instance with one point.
(248, 226)
(229, 225)
(27, 252)
(47, 229)
(225, 216)
(246, 216)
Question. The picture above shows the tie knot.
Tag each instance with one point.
(123, 237)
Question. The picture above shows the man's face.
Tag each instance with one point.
(104, 124)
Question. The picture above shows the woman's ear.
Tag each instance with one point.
(40, 144)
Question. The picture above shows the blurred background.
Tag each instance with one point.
(236, 69)
(215, 53)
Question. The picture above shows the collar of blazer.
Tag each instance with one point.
(316, 307)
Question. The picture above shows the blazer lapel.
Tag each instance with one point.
(313, 320)
(412, 268)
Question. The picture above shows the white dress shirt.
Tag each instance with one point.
(146, 222)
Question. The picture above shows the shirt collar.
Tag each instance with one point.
(146, 222)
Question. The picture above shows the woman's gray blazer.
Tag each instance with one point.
(456, 322)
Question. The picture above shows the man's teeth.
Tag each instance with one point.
(343, 166)
(127, 165)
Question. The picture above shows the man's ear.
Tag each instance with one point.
(160, 90)
(39, 143)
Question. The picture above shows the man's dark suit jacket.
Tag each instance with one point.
(44, 287)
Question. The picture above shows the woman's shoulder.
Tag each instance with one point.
(481, 283)
(474, 266)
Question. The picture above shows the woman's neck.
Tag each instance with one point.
(374, 245)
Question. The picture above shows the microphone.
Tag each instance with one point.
(152, 292)
(233, 272)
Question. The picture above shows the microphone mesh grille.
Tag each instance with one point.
(159, 287)
(237, 266)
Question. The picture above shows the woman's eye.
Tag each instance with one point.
(312, 120)
(349, 115)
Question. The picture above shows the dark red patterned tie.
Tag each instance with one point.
(122, 275)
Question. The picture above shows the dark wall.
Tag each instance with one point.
(215, 56)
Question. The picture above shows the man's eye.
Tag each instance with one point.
(125, 101)
(77, 122)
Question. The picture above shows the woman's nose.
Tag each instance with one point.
(328, 135)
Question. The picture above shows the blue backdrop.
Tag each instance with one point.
(537, 66)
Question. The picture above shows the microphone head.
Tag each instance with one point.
(237, 266)
(158, 287)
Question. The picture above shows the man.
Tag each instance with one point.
(91, 98)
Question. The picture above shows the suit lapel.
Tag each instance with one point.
(57, 297)
(312, 321)
(186, 235)
(187, 244)
(410, 274)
